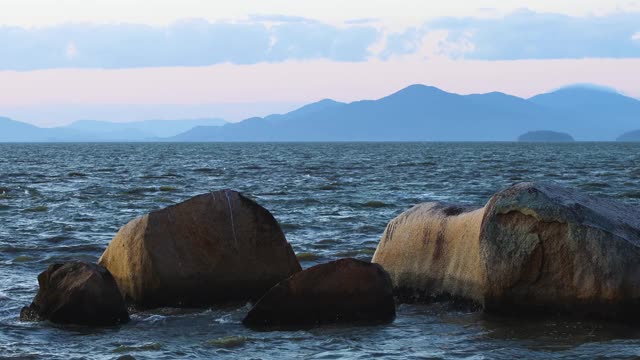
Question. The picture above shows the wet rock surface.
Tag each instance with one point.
(215, 247)
(77, 293)
(341, 291)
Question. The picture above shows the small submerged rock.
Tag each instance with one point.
(77, 293)
(41, 208)
(345, 290)
(228, 342)
(144, 347)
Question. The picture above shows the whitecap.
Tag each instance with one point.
(225, 319)
(155, 319)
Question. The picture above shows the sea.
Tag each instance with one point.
(63, 202)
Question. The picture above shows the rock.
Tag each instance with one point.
(77, 293)
(346, 290)
(534, 248)
(432, 253)
(215, 247)
(549, 248)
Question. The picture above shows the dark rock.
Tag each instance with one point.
(346, 290)
(77, 293)
(215, 247)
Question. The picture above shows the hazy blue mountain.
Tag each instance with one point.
(545, 136)
(594, 113)
(12, 130)
(631, 136)
(15, 131)
(147, 129)
(87, 130)
(416, 113)
(424, 113)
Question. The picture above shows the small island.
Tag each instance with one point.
(631, 136)
(545, 136)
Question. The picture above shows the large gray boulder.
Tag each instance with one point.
(215, 247)
(532, 248)
(77, 293)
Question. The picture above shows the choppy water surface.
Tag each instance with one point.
(60, 202)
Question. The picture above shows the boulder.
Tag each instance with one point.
(77, 293)
(215, 247)
(432, 253)
(533, 248)
(346, 290)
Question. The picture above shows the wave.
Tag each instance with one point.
(416, 164)
(594, 185)
(630, 195)
(167, 188)
(209, 171)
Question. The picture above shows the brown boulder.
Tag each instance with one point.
(533, 248)
(77, 293)
(346, 290)
(432, 253)
(549, 248)
(215, 247)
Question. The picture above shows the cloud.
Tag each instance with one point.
(362, 21)
(321, 41)
(518, 36)
(529, 35)
(276, 38)
(185, 43)
(279, 18)
(71, 51)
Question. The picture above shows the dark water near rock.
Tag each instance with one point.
(60, 202)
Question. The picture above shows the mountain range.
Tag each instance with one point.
(415, 113)
(91, 130)
(424, 113)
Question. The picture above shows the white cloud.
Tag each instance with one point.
(71, 52)
(636, 36)
(162, 12)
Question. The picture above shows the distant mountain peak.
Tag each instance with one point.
(584, 96)
(418, 88)
(588, 87)
(417, 91)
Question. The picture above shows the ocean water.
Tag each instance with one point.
(60, 202)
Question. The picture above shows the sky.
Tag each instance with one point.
(118, 60)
